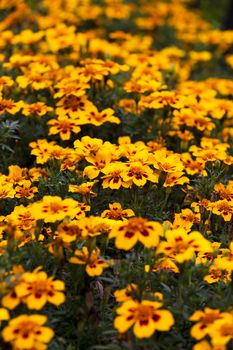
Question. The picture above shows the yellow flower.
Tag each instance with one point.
(85, 188)
(6, 190)
(36, 80)
(5, 82)
(158, 100)
(9, 106)
(139, 174)
(117, 213)
(163, 264)
(10, 300)
(68, 231)
(136, 229)
(176, 178)
(4, 315)
(35, 289)
(181, 246)
(94, 117)
(225, 262)
(127, 293)
(68, 87)
(204, 320)
(21, 217)
(225, 192)
(38, 108)
(223, 208)
(25, 190)
(204, 345)
(72, 105)
(113, 176)
(222, 330)
(94, 226)
(217, 274)
(192, 166)
(25, 331)
(94, 263)
(99, 161)
(186, 219)
(54, 208)
(63, 126)
(166, 162)
(16, 174)
(144, 316)
(87, 146)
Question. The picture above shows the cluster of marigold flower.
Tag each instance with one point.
(75, 83)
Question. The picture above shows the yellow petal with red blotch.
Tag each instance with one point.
(126, 241)
(163, 320)
(123, 323)
(45, 335)
(56, 298)
(4, 314)
(24, 341)
(36, 301)
(144, 328)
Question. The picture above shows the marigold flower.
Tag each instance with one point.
(53, 208)
(85, 188)
(67, 88)
(223, 208)
(94, 263)
(5, 82)
(116, 212)
(102, 158)
(126, 293)
(113, 176)
(63, 126)
(176, 178)
(38, 108)
(163, 264)
(68, 231)
(72, 105)
(22, 218)
(225, 261)
(136, 229)
(204, 320)
(6, 190)
(94, 117)
(25, 331)
(145, 316)
(181, 246)
(222, 330)
(9, 106)
(4, 315)
(36, 80)
(169, 163)
(25, 190)
(139, 174)
(35, 289)
(217, 274)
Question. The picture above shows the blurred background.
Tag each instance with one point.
(217, 12)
